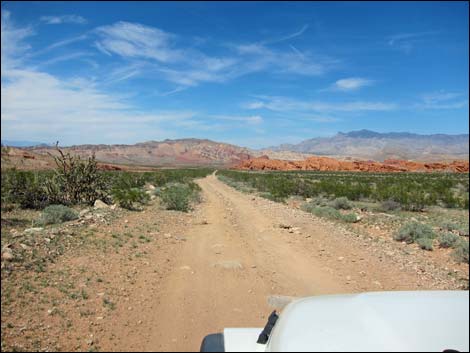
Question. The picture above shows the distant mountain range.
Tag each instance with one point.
(182, 152)
(366, 144)
(360, 145)
(23, 143)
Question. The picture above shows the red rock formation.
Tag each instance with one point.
(331, 164)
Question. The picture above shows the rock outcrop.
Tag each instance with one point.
(331, 164)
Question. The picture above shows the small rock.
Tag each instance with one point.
(229, 265)
(100, 205)
(33, 230)
(279, 301)
(84, 212)
(341, 258)
(8, 256)
(24, 246)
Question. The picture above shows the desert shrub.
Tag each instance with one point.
(269, 196)
(27, 189)
(425, 243)
(128, 197)
(319, 201)
(57, 214)
(448, 240)
(77, 180)
(412, 231)
(389, 205)
(177, 196)
(341, 203)
(327, 212)
(349, 218)
(460, 253)
(448, 225)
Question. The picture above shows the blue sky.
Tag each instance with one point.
(254, 74)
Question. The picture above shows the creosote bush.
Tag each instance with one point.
(128, 197)
(413, 231)
(341, 203)
(389, 205)
(448, 240)
(460, 253)
(177, 196)
(57, 214)
(425, 243)
(330, 212)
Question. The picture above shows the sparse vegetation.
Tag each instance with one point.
(128, 197)
(330, 212)
(341, 203)
(177, 196)
(448, 240)
(57, 214)
(425, 243)
(407, 191)
(413, 231)
(460, 253)
(389, 205)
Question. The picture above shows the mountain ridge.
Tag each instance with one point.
(354, 145)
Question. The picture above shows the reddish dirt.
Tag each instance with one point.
(202, 271)
(331, 164)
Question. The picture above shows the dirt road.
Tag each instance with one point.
(235, 257)
(184, 275)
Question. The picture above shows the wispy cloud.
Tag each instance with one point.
(42, 105)
(188, 66)
(133, 40)
(286, 104)
(351, 84)
(443, 100)
(251, 120)
(12, 41)
(406, 41)
(287, 37)
(54, 20)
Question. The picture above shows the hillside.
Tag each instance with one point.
(366, 144)
(183, 152)
(331, 164)
(356, 145)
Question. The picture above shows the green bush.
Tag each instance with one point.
(448, 240)
(448, 225)
(412, 231)
(425, 243)
(127, 198)
(389, 205)
(57, 214)
(327, 212)
(349, 218)
(460, 253)
(76, 180)
(341, 203)
(177, 196)
(269, 196)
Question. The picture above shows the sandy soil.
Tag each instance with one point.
(215, 267)
(226, 270)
